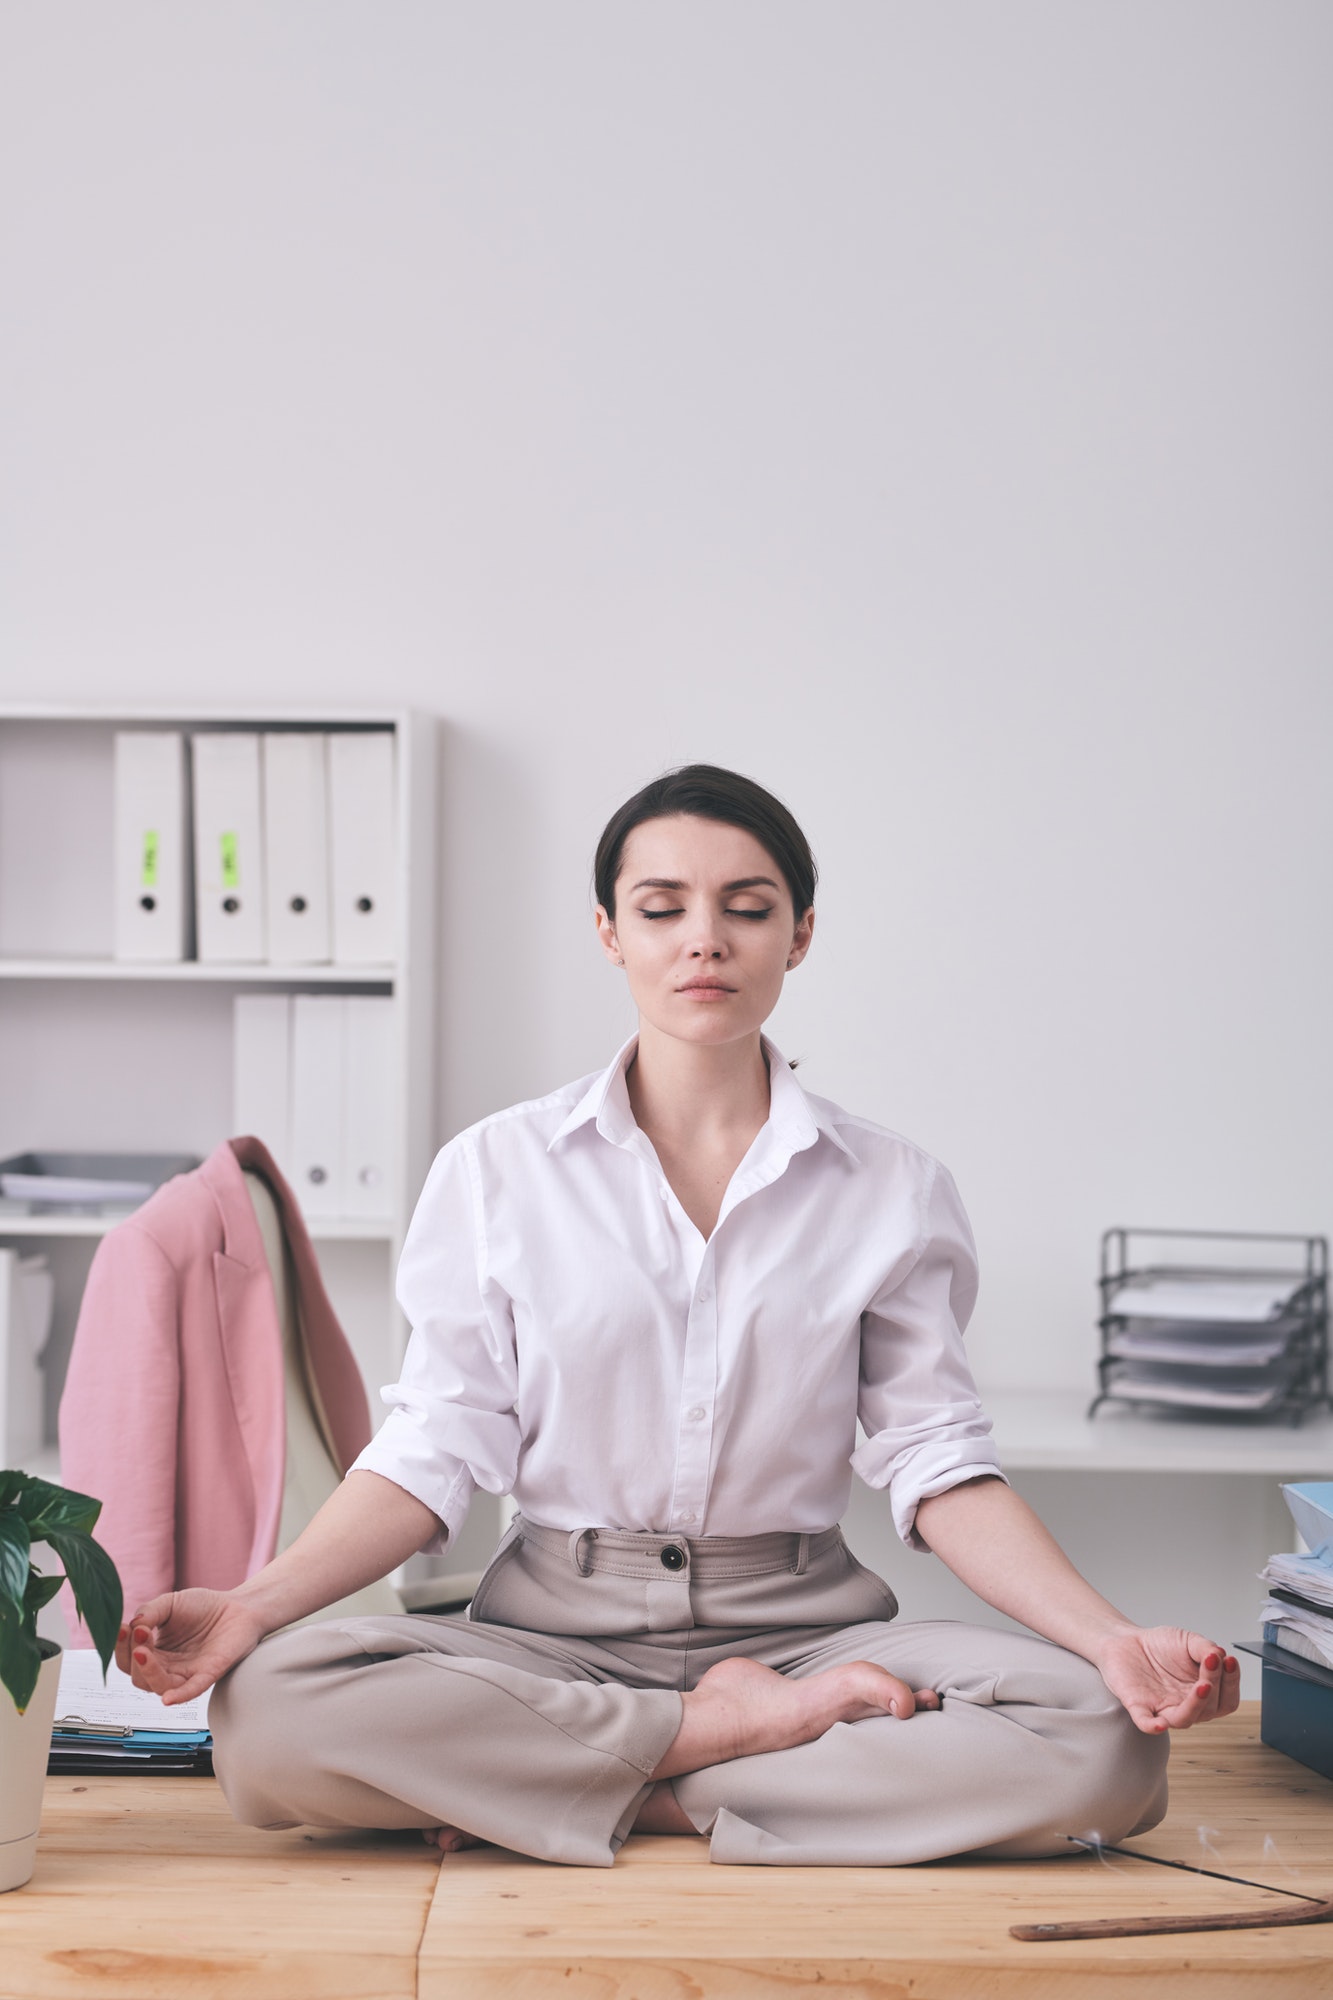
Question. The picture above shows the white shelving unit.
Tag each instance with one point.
(100, 1054)
(349, 978)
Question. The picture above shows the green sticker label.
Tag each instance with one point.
(148, 873)
(231, 870)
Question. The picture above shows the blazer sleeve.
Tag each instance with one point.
(119, 1412)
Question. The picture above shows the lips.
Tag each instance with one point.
(706, 986)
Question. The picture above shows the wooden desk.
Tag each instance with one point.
(145, 1890)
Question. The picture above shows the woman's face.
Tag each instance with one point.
(704, 928)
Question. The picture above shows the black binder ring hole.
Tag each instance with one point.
(364, 903)
(298, 904)
(148, 902)
(231, 904)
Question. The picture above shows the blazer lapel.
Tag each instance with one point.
(251, 1341)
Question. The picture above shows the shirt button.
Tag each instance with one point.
(696, 1416)
(704, 1295)
(689, 1515)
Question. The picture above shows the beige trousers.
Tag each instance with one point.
(537, 1720)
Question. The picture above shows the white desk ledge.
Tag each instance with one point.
(1041, 1432)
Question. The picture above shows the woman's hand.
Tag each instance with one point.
(1168, 1678)
(178, 1644)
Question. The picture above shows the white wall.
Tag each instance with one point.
(923, 407)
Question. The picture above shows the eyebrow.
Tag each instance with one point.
(745, 882)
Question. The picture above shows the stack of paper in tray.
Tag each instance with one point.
(119, 1727)
(1216, 1342)
(1298, 1612)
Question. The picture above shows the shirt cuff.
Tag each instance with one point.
(446, 1490)
(905, 1502)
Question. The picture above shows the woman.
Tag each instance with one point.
(652, 1305)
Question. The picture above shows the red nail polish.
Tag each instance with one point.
(142, 1658)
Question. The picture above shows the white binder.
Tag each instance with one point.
(150, 845)
(368, 1122)
(228, 848)
(296, 848)
(26, 1292)
(318, 1091)
(261, 1072)
(361, 823)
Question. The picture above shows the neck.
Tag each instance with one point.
(678, 1087)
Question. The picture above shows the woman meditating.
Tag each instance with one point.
(653, 1306)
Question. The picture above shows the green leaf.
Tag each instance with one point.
(96, 1586)
(49, 1507)
(11, 1484)
(20, 1656)
(15, 1556)
(41, 1589)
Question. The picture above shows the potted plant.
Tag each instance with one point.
(33, 1510)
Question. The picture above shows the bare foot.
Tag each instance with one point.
(450, 1839)
(740, 1709)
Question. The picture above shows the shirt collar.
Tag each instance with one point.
(794, 1121)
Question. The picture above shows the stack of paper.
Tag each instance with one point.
(1245, 1298)
(1215, 1342)
(119, 1727)
(1298, 1612)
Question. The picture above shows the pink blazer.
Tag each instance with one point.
(173, 1412)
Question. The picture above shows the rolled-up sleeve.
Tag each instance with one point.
(453, 1423)
(925, 1428)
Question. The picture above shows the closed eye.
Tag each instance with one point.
(754, 916)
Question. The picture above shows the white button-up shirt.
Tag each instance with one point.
(578, 1343)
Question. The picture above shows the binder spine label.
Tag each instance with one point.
(231, 867)
(148, 873)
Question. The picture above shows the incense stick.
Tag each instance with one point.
(1132, 1854)
(1315, 1910)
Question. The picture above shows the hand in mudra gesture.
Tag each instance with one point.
(1168, 1678)
(178, 1644)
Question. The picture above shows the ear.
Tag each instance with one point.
(800, 943)
(606, 932)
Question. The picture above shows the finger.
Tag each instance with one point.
(157, 1676)
(188, 1690)
(901, 1700)
(152, 1616)
(137, 1630)
(1229, 1699)
(1199, 1705)
(926, 1698)
(149, 1670)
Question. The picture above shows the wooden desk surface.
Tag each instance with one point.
(146, 1890)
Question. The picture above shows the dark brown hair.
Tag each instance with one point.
(708, 792)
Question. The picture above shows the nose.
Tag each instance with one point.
(708, 941)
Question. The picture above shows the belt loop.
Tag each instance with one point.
(576, 1541)
(802, 1555)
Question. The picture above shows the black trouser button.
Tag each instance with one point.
(672, 1557)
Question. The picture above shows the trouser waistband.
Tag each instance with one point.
(707, 1557)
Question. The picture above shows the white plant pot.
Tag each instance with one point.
(25, 1745)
